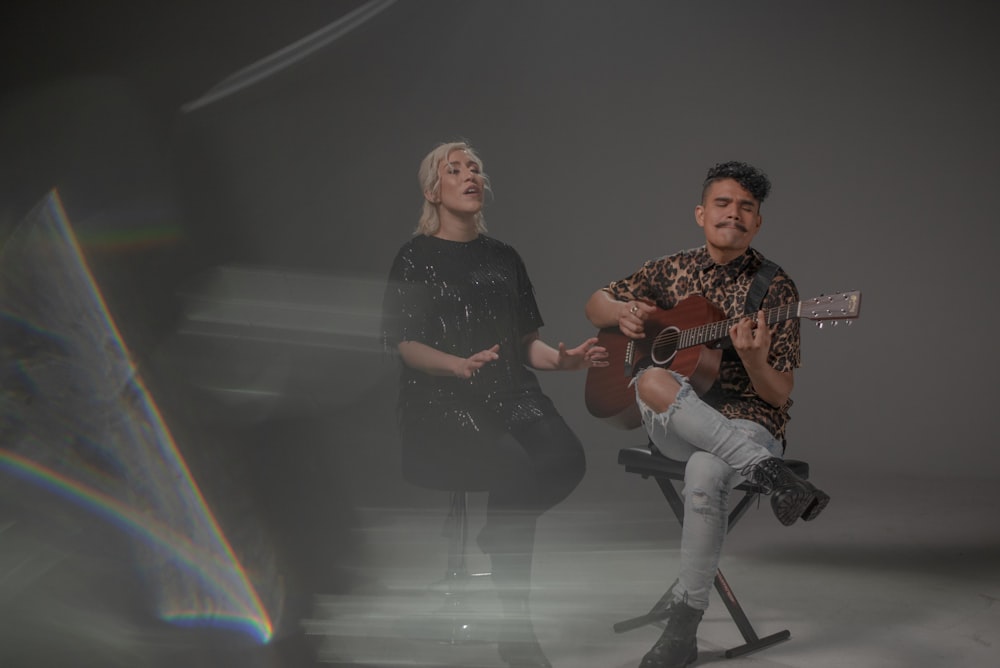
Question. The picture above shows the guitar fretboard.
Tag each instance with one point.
(716, 331)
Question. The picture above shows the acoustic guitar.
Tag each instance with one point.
(688, 339)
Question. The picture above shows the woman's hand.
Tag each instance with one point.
(467, 368)
(585, 355)
(432, 361)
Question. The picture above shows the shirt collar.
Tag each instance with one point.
(749, 261)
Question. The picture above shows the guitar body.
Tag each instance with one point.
(607, 391)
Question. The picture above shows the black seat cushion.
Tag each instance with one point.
(643, 461)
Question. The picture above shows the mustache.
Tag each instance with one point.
(740, 226)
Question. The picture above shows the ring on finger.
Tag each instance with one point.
(635, 307)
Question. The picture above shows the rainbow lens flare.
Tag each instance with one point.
(77, 420)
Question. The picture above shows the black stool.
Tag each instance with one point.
(667, 472)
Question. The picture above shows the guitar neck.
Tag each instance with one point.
(716, 331)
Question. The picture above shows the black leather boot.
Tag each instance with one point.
(791, 496)
(677, 646)
(813, 510)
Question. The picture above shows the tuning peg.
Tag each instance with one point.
(836, 322)
(819, 325)
(850, 322)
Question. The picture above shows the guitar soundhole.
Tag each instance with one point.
(665, 346)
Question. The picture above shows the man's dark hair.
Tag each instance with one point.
(752, 179)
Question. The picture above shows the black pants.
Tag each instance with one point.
(534, 468)
(526, 471)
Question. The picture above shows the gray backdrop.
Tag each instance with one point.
(596, 120)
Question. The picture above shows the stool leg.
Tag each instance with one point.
(656, 613)
(462, 623)
(753, 641)
(457, 530)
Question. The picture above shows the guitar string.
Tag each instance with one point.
(717, 330)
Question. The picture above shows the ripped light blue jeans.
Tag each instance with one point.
(716, 450)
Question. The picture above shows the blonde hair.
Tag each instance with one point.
(430, 182)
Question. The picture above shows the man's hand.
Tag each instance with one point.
(752, 341)
(632, 318)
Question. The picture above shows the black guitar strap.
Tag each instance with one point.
(758, 289)
(755, 297)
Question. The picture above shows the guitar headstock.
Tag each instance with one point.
(836, 307)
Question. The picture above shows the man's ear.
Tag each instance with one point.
(699, 215)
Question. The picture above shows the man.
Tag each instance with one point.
(736, 429)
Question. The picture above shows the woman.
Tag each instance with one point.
(460, 310)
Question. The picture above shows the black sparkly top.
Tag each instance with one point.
(462, 298)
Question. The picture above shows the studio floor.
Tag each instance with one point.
(900, 573)
(894, 573)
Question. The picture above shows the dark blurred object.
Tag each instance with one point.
(173, 51)
(264, 343)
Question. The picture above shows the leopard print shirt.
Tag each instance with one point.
(669, 279)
